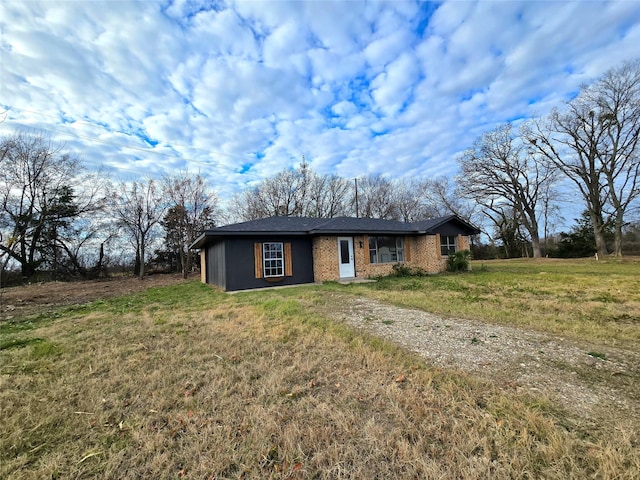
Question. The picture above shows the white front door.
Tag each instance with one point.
(345, 257)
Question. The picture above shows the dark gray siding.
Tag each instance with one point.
(241, 264)
(216, 268)
(451, 229)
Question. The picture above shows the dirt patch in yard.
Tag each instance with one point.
(23, 301)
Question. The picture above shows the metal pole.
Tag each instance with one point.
(356, 182)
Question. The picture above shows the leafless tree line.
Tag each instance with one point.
(591, 142)
(510, 176)
(57, 217)
(303, 192)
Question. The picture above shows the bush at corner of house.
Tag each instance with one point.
(459, 261)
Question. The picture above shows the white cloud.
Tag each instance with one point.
(357, 87)
(393, 88)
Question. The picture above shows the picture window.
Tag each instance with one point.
(386, 249)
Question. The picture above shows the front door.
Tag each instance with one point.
(345, 257)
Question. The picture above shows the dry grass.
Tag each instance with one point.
(186, 382)
(581, 298)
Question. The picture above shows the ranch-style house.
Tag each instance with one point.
(296, 250)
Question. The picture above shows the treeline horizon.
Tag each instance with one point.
(57, 218)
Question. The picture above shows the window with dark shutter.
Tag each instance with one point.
(273, 260)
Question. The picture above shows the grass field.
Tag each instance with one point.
(582, 298)
(188, 382)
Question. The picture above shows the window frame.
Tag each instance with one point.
(400, 250)
(446, 247)
(273, 262)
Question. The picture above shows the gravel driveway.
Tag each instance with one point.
(575, 375)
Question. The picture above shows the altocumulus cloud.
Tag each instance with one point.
(240, 90)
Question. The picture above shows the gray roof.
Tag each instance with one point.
(306, 226)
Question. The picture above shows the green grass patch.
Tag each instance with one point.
(9, 327)
(45, 349)
(599, 355)
(8, 343)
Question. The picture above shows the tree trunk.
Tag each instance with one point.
(136, 265)
(27, 270)
(617, 242)
(535, 245)
(141, 258)
(598, 233)
(183, 263)
(99, 265)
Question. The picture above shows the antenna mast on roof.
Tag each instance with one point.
(356, 182)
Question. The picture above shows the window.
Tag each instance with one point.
(386, 249)
(273, 259)
(448, 245)
(269, 258)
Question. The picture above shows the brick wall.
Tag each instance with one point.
(325, 259)
(463, 242)
(422, 252)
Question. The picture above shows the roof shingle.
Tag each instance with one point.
(318, 226)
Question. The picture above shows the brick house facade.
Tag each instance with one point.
(295, 250)
(421, 252)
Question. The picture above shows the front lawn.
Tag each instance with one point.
(187, 382)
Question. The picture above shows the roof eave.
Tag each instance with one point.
(199, 242)
(364, 232)
(204, 238)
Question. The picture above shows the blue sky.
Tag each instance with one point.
(241, 90)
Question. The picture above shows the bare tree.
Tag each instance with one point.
(283, 194)
(44, 195)
(193, 208)
(594, 142)
(442, 198)
(327, 196)
(409, 200)
(138, 208)
(500, 174)
(508, 229)
(376, 198)
(298, 192)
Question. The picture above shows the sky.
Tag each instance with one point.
(239, 91)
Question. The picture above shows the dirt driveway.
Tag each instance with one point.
(597, 384)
